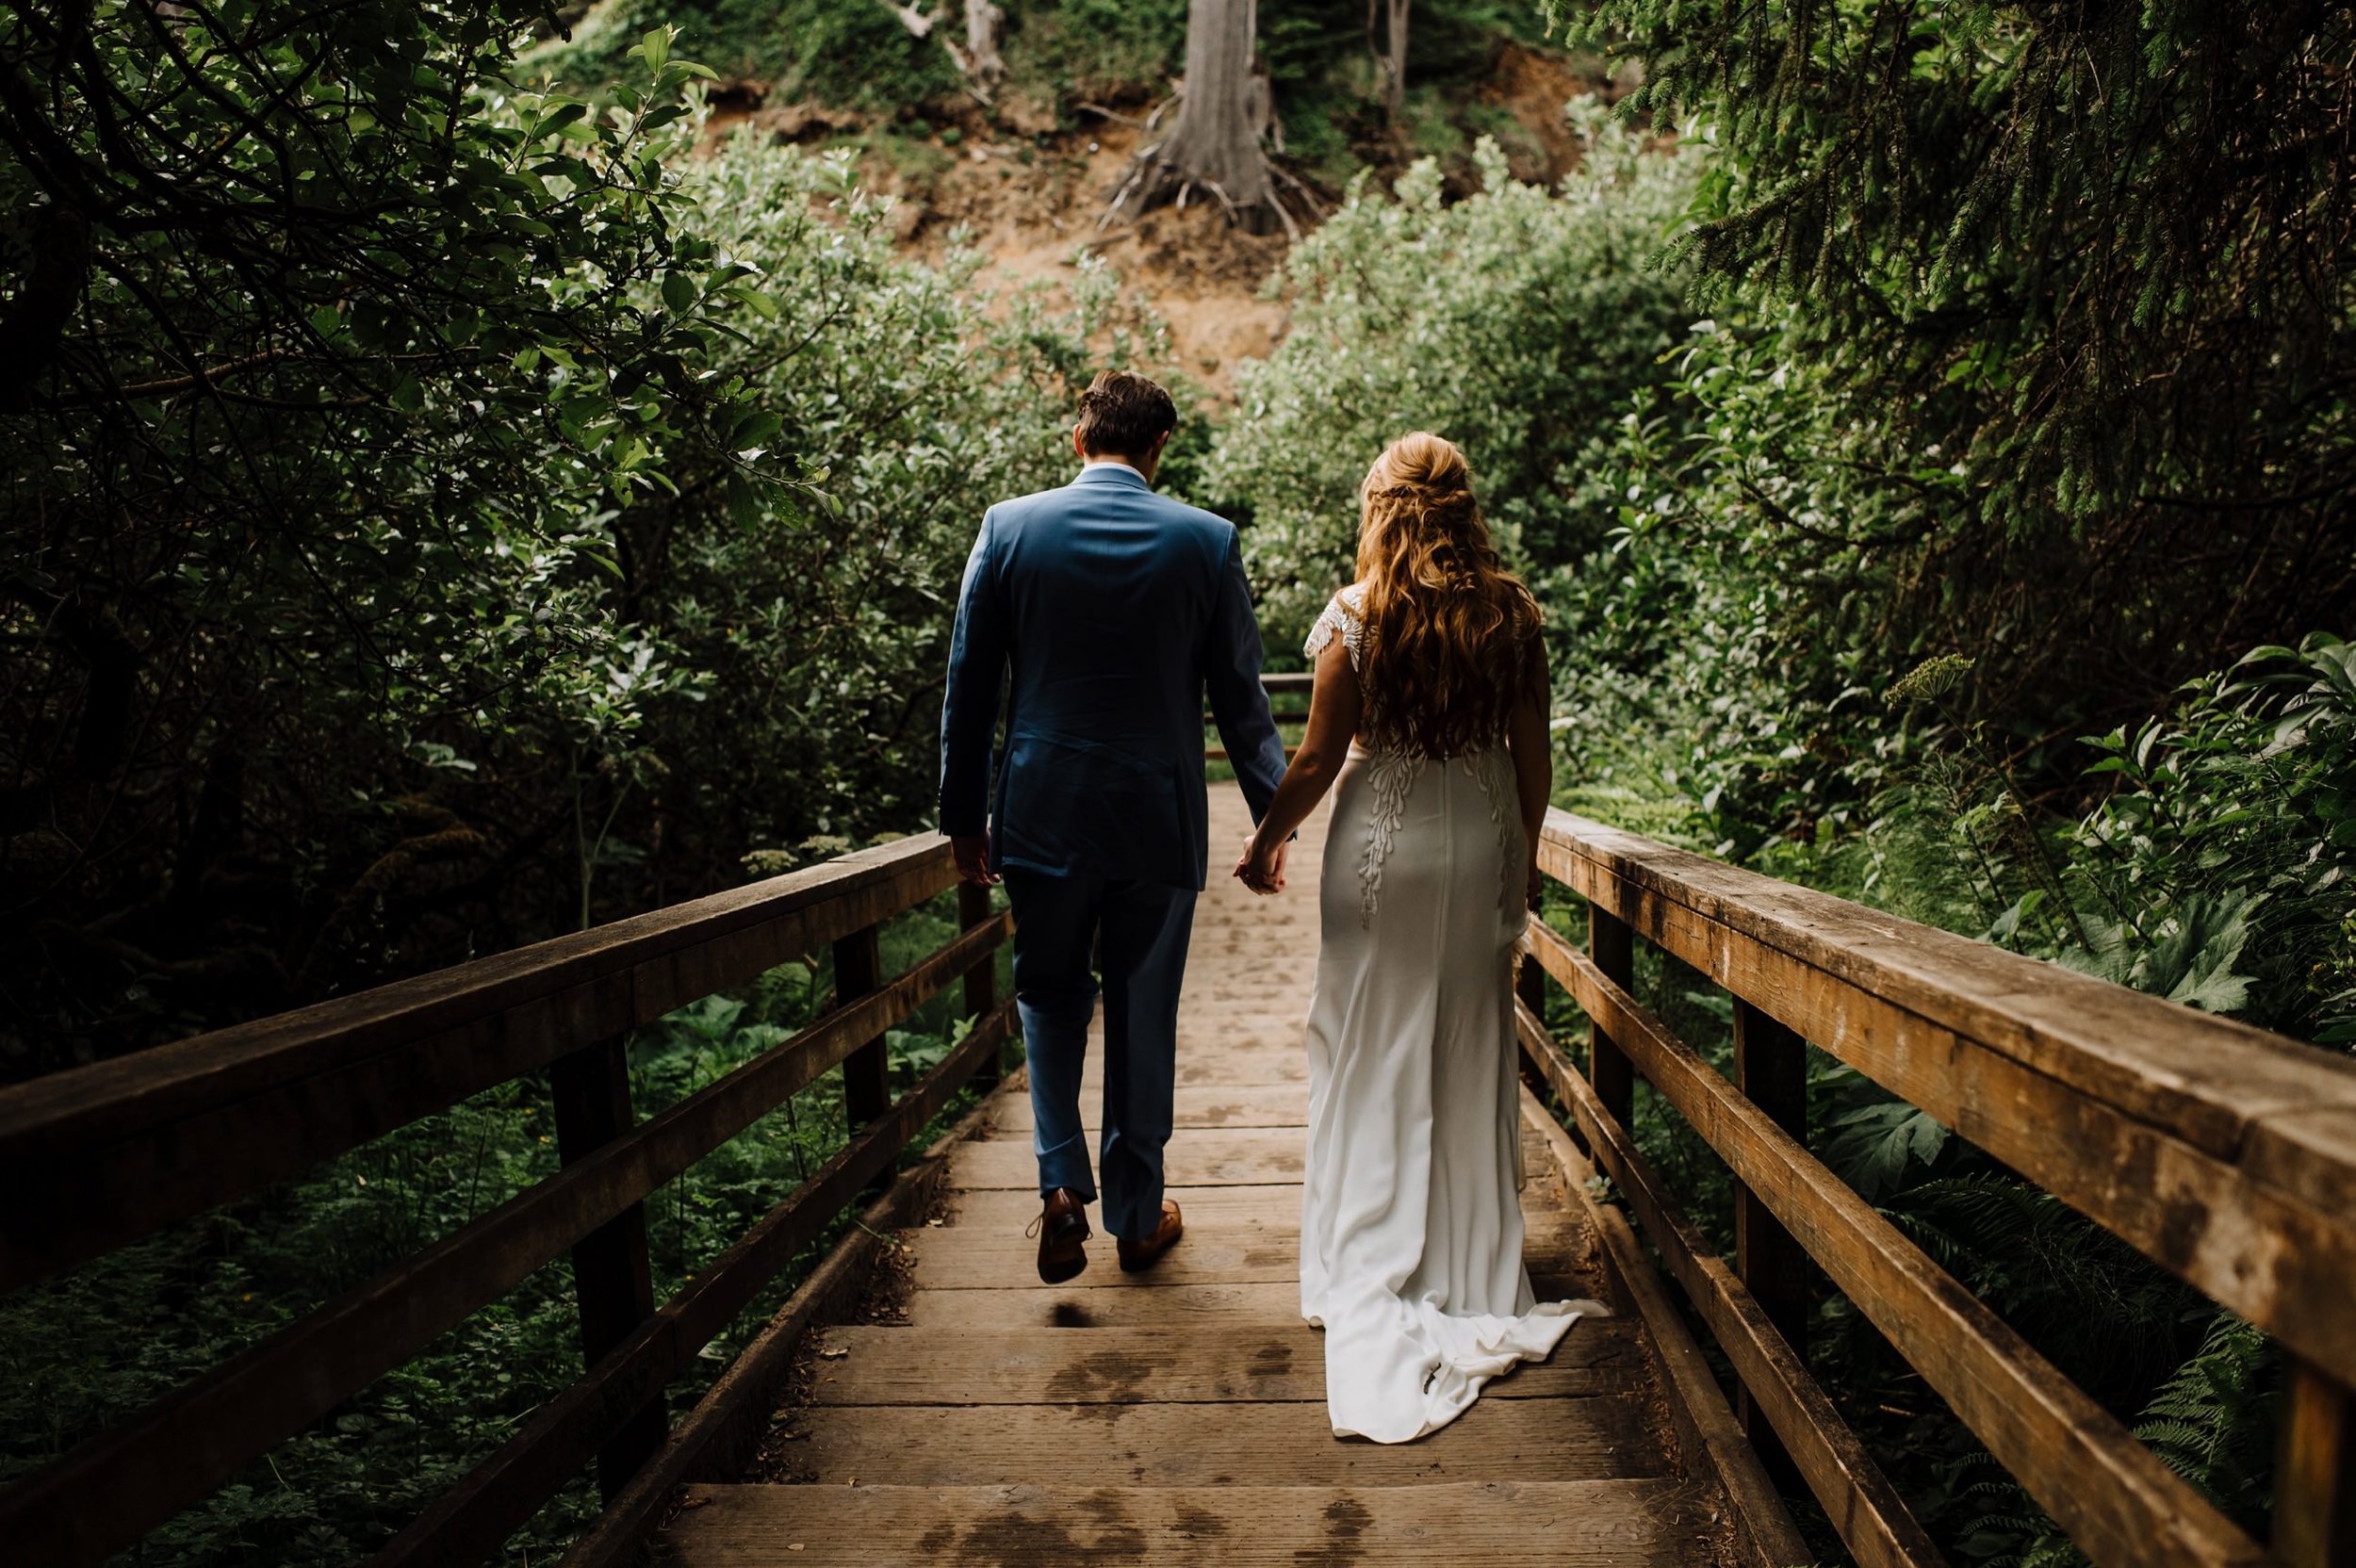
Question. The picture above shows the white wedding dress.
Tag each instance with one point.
(1411, 1225)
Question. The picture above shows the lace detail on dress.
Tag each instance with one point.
(1340, 618)
(1391, 778)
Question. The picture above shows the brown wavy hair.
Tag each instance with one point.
(1451, 638)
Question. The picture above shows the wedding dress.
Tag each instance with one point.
(1411, 1228)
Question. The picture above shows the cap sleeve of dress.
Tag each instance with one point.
(1340, 618)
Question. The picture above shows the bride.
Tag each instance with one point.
(1429, 717)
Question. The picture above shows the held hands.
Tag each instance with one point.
(1261, 867)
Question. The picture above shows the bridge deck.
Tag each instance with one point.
(1179, 1417)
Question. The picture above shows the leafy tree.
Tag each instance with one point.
(330, 341)
(1516, 323)
(2070, 293)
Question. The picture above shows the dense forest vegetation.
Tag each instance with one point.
(454, 497)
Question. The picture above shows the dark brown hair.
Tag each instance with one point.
(1123, 415)
(1452, 639)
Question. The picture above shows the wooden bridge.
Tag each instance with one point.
(919, 1398)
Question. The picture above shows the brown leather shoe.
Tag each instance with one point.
(1062, 1229)
(1137, 1256)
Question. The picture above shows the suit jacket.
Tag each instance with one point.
(1115, 609)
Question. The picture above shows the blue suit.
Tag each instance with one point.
(1113, 611)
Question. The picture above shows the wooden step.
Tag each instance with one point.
(1214, 1250)
(1288, 1442)
(1193, 1157)
(1573, 1524)
(1108, 1299)
(1281, 1104)
(1188, 1365)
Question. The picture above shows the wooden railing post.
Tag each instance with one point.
(1612, 945)
(2315, 1485)
(981, 981)
(611, 1282)
(866, 1072)
(1771, 1069)
(1530, 984)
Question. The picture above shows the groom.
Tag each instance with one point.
(1113, 609)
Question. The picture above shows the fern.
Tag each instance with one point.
(2212, 1421)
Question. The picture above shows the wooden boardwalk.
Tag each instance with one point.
(1179, 1416)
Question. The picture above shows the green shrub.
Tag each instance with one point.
(1516, 323)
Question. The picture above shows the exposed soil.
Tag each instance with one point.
(1029, 190)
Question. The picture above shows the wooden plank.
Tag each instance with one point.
(2314, 1488)
(1718, 1449)
(867, 1070)
(469, 1521)
(724, 1429)
(1196, 1106)
(1771, 1069)
(981, 981)
(1212, 1208)
(1108, 1299)
(1873, 1522)
(1289, 1442)
(1609, 1524)
(968, 1257)
(2225, 1155)
(193, 1440)
(1180, 1366)
(102, 1154)
(612, 1285)
(1224, 1157)
(1614, 947)
(2118, 1502)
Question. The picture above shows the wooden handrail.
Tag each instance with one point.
(2225, 1154)
(117, 1150)
(99, 1155)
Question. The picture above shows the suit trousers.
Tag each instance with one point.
(1141, 931)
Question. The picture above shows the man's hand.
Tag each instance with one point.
(973, 853)
(1261, 869)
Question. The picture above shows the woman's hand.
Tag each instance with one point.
(1260, 867)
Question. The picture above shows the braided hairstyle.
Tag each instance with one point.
(1451, 639)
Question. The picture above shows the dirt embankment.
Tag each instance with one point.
(1029, 186)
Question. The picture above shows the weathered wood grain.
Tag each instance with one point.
(1713, 1440)
(2224, 1154)
(1178, 1365)
(1192, 1157)
(2119, 1503)
(1496, 1524)
(1873, 1522)
(470, 1520)
(1108, 1299)
(193, 1440)
(1288, 1443)
(1193, 1106)
(99, 1155)
(969, 1256)
(722, 1432)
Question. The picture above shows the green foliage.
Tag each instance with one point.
(684, 511)
(362, 336)
(95, 1345)
(1516, 322)
(836, 51)
(2220, 873)
(2098, 247)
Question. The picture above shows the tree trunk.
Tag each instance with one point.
(1395, 66)
(981, 42)
(1214, 151)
